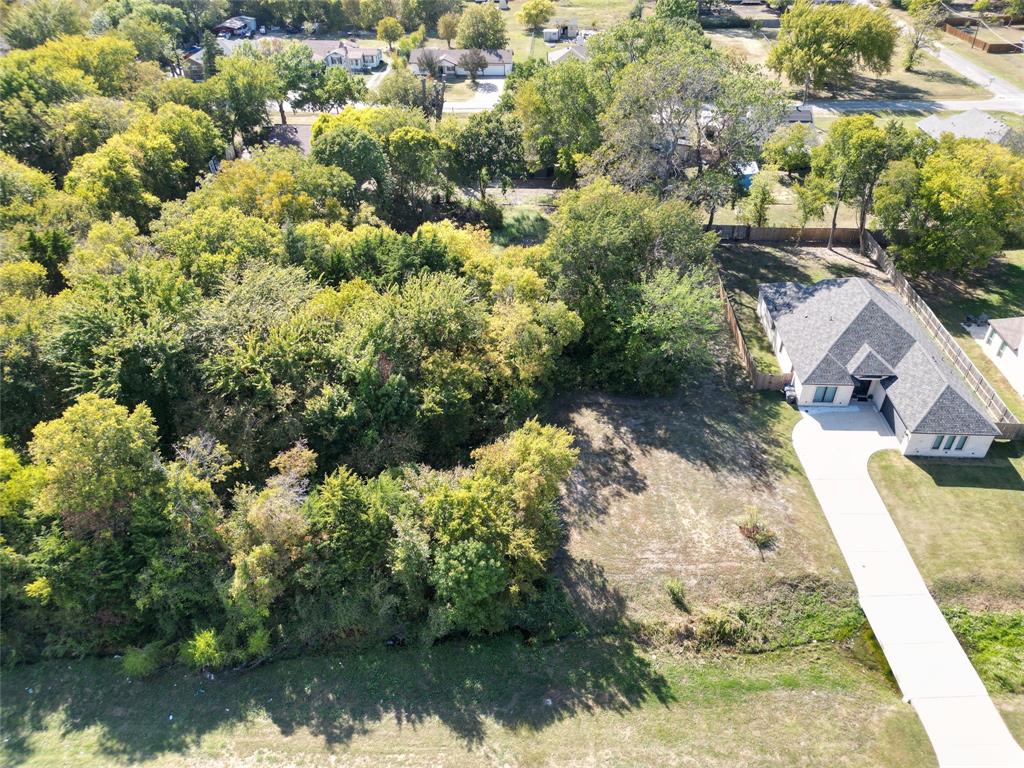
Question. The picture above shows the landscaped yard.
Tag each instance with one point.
(744, 266)
(995, 291)
(491, 703)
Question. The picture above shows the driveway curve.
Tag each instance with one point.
(933, 672)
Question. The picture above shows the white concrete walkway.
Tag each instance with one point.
(931, 668)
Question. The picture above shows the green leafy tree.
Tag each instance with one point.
(413, 156)
(294, 67)
(356, 152)
(676, 10)
(535, 14)
(482, 27)
(211, 54)
(755, 207)
(83, 126)
(389, 29)
(789, 148)
(333, 89)
(33, 22)
(245, 85)
(474, 62)
(822, 46)
(487, 148)
(926, 16)
(953, 211)
(448, 27)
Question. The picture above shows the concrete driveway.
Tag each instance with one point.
(932, 670)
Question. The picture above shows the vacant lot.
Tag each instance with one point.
(1009, 67)
(744, 266)
(499, 703)
(995, 291)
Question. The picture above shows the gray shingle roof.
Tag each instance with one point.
(1010, 330)
(971, 124)
(837, 329)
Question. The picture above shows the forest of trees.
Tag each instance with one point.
(287, 401)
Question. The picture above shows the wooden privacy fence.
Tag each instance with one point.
(983, 45)
(1008, 424)
(758, 379)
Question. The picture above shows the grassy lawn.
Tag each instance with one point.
(961, 521)
(494, 703)
(995, 291)
(524, 225)
(784, 212)
(745, 266)
(1008, 66)
(931, 79)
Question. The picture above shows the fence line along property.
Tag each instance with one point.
(1008, 424)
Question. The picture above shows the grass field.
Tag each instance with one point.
(1009, 67)
(744, 266)
(995, 291)
(962, 521)
(931, 79)
(497, 703)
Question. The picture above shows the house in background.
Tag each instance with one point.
(499, 63)
(354, 58)
(560, 29)
(574, 51)
(972, 124)
(236, 25)
(1004, 343)
(848, 340)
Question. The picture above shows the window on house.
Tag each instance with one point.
(961, 442)
(937, 443)
(824, 394)
(949, 442)
(1002, 346)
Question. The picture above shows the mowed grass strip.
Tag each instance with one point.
(469, 704)
(963, 521)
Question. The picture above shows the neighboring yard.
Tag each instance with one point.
(744, 266)
(495, 703)
(784, 212)
(995, 291)
(1008, 66)
(931, 79)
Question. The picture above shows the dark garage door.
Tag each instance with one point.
(890, 417)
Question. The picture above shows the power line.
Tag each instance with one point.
(983, 23)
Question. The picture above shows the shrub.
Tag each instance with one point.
(757, 533)
(142, 662)
(203, 651)
(719, 626)
(677, 594)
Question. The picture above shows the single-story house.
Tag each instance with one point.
(1004, 343)
(972, 124)
(574, 51)
(560, 29)
(354, 58)
(499, 63)
(848, 340)
(236, 25)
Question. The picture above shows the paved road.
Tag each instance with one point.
(931, 668)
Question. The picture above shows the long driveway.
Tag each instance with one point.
(932, 670)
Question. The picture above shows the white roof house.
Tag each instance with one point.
(847, 339)
(972, 124)
(574, 51)
(1004, 343)
(354, 58)
(499, 62)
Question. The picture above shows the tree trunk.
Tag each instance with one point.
(835, 215)
(711, 217)
(280, 108)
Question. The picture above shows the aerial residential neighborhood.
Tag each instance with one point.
(512, 383)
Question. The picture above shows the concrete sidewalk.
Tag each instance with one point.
(933, 672)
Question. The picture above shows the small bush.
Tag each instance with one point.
(203, 651)
(142, 662)
(757, 533)
(677, 594)
(719, 626)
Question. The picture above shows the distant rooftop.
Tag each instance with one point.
(972, 124)
(1010, 330)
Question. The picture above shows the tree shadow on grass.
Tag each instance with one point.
(463, 684)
